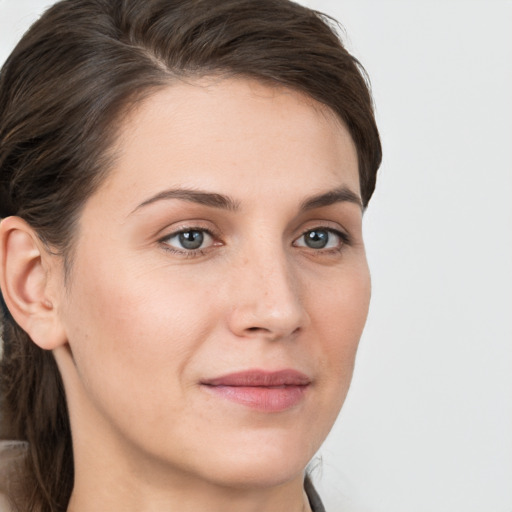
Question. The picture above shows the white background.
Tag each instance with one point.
(427, 426)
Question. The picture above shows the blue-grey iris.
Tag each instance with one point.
(316, 239)
(191, 239)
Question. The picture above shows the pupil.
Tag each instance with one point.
(191, 239)
(317, 239)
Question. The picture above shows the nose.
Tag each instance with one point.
(267, 300)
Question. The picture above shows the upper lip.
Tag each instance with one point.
(261, 378)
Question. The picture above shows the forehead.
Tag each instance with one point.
(235, 134)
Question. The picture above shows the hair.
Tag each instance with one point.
(63, 92)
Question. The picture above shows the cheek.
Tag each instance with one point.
(138, 305)
(339, 318)
(338, 309)
(133, 329)
(344, 297)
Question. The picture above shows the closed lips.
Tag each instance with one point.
(268, 392)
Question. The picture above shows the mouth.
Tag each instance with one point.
(261, 390)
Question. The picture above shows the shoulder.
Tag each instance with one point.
(11, 455)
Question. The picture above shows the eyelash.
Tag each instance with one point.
(345, 240)
(187, 253)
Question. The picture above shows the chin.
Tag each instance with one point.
(269, 461)
(260, 474)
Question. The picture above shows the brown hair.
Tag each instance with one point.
(62, 92)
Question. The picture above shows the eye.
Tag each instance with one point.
(189, 240)
(321, 238)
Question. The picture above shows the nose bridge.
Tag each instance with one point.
(269, 300)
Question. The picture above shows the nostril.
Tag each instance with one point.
(273, 335)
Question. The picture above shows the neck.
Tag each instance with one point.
(102, 489)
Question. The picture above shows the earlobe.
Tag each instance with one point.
(26, 274)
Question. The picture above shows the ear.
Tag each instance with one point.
(28, 277)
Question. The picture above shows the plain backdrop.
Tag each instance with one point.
(427, 426)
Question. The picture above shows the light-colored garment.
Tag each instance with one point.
(11, 453)
(4, 504)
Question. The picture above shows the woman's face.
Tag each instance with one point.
(219, 285)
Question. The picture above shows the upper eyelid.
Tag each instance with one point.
(170, 231)
(341, 233)
(186, 230)
(322, 222)
(182, 251)
(338, 230)
(217, 234)
(168, 234)
(324, 227)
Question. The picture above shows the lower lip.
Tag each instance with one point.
(264, 399)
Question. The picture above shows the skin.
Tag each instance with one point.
(142, 321)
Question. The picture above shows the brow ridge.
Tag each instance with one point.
(338, 195)
(224, 202)
(212, 199)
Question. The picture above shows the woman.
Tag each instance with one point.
(182, 261)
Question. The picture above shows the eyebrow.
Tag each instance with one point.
(194, 196)
(338, 195)
(212, 199)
